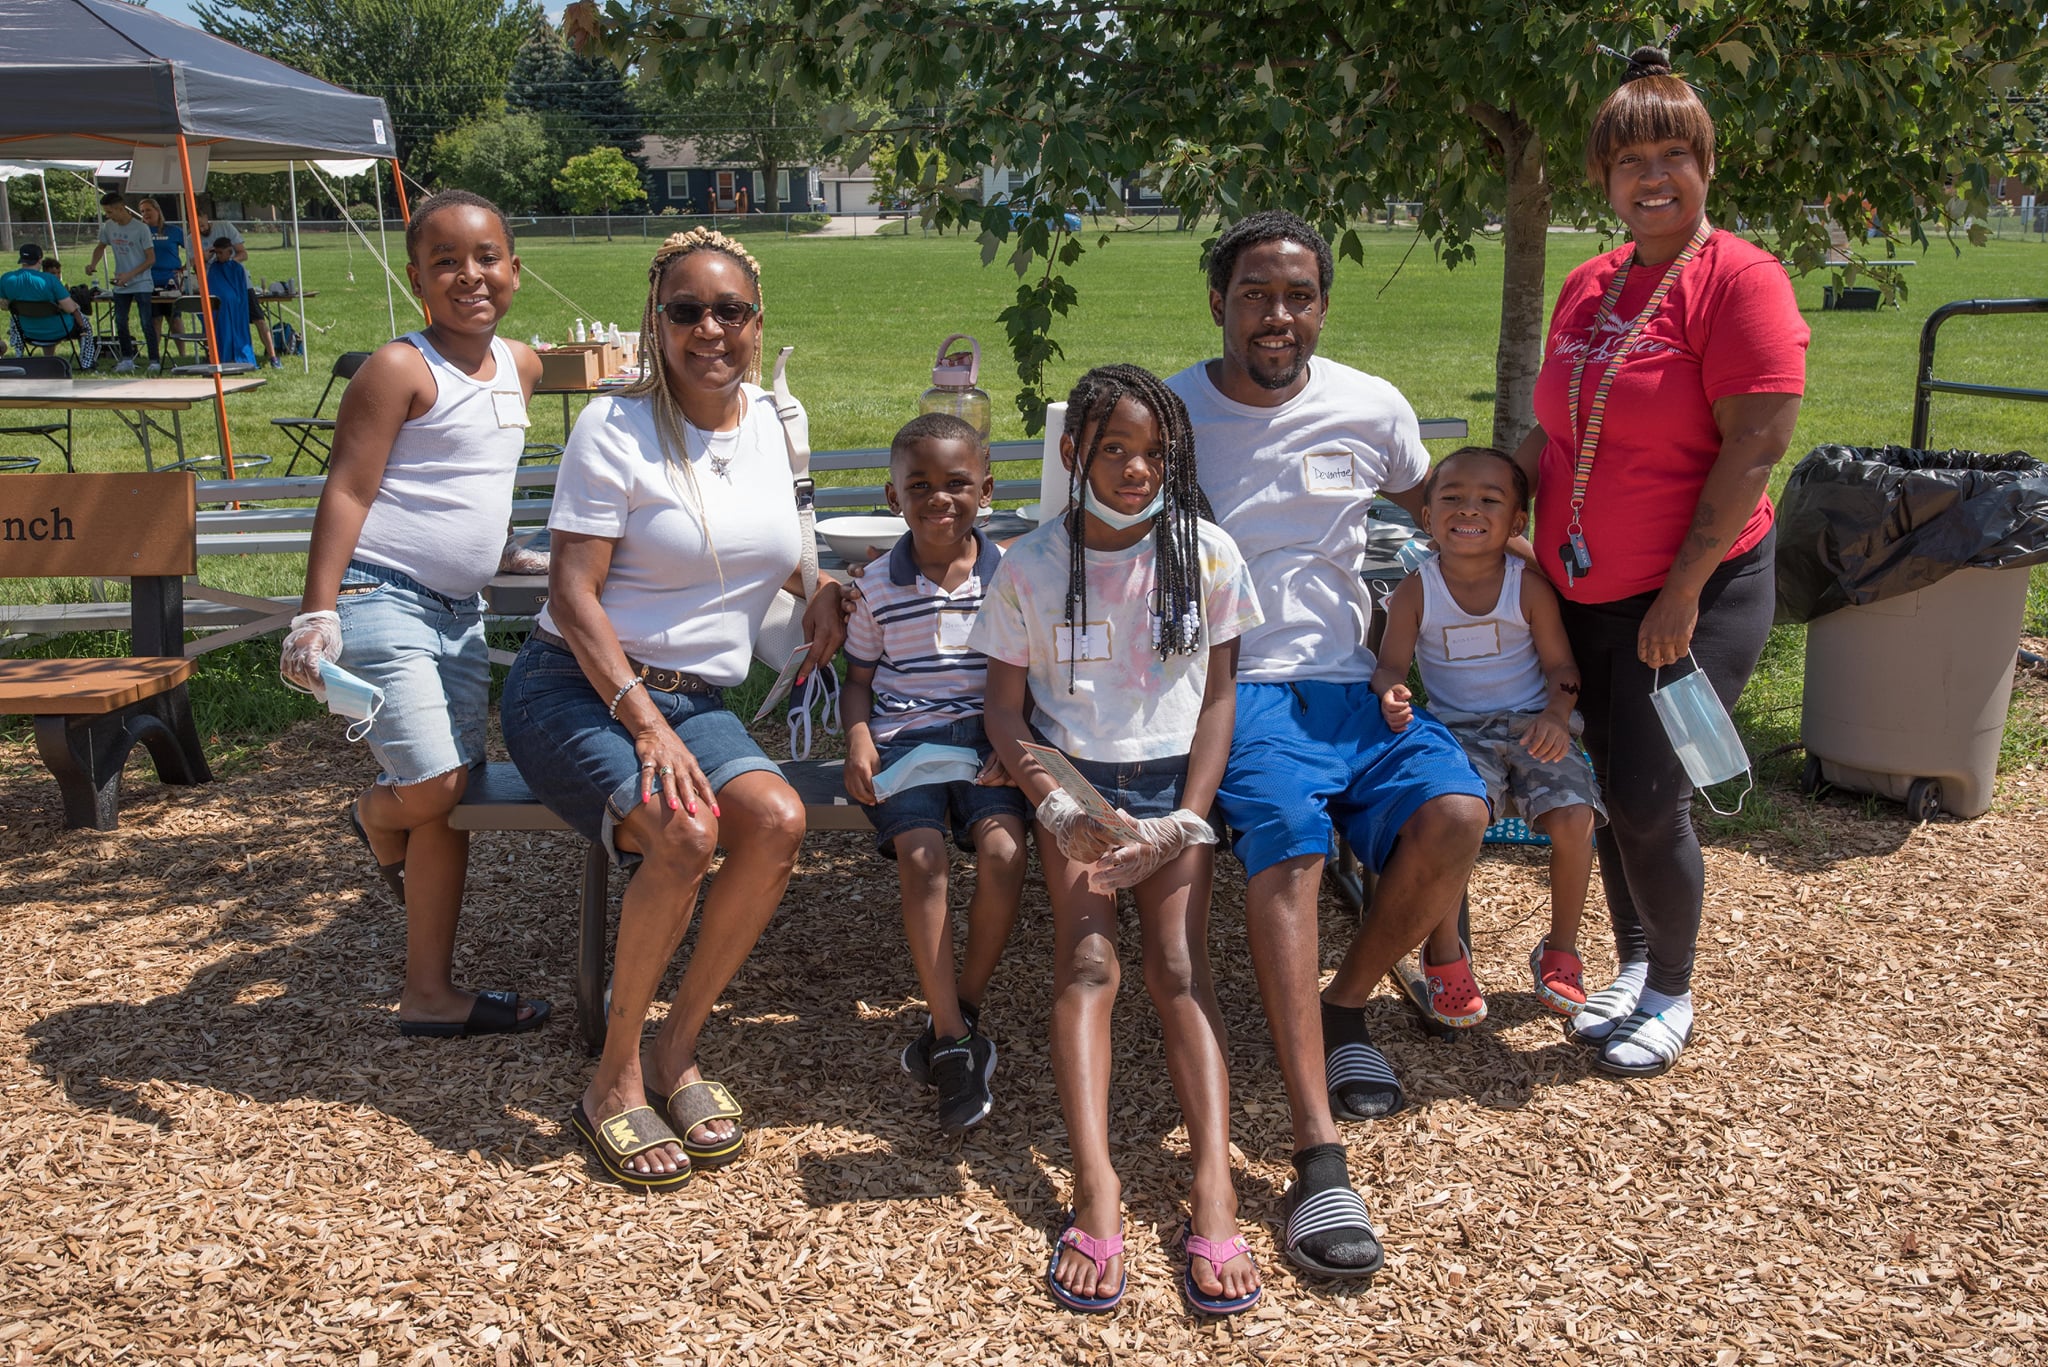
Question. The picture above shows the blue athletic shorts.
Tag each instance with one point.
(1304, 755)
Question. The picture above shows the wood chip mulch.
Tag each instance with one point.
(215, 1148)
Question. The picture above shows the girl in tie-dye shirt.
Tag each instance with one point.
(1119, 621)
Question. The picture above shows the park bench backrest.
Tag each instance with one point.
(142, 527)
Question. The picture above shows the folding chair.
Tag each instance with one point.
(312, 437)
(42, 308)
(185, 333)
(43, 368)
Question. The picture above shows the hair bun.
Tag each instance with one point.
(1647, 61)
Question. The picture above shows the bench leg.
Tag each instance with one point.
(85, 754)
(591, 938)
(166, 727)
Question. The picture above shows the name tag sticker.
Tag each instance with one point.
(510, 407)
(1327, 470)
(1474, 642)
(953, 630)
(1091, 642)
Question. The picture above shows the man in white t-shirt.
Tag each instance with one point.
(1292, 450)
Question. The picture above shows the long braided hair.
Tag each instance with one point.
(653, 383)
(1177, 602)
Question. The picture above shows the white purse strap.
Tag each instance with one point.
(796, 435)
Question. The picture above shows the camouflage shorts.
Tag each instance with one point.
(1518, 784)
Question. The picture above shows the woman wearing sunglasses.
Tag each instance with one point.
(674, 524)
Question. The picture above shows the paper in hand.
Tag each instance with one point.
(783, 680)
(1079, 788)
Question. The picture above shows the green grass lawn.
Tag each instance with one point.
(866, 314)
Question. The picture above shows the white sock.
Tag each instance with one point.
(1675, 1012)
(1613, 1003)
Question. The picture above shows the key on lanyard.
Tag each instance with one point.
(1577, 559)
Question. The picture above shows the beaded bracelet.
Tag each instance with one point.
(627, 687)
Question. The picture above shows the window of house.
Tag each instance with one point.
(679, 185)
(781, 189)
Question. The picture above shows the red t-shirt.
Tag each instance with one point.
(1729, 326)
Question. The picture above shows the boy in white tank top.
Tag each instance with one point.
(1500, 674)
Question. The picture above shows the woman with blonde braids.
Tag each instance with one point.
(674, 525)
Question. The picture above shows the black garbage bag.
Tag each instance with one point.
(1860, 524)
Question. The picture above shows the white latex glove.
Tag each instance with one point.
(314, 636)
(1080, 836)
(1158, 841)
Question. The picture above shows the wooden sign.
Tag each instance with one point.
(113, 525)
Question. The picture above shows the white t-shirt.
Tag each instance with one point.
(677, 597)
(1125, 702)
(441, 510)
(1292, 485)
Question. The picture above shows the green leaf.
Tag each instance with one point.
(1280, 113)
(1735, 54)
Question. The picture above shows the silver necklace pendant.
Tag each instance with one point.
(720, 465)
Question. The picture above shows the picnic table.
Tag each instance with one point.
(135, 401)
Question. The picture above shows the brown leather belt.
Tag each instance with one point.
(661, 680)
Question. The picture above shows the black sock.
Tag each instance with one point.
(1364, 1087)
(1319, 1169)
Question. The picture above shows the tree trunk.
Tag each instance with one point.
(1525, 235)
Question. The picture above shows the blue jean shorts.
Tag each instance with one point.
(427, 652)
(1306, 754)
(1141, 787)
(957, 807)
(580, 762)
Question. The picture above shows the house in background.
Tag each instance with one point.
(679, 178)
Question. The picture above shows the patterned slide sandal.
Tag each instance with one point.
(1329, 1211)
(1097, 1251)
(622, 1136)
(693, 1103)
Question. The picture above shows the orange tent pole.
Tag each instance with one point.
(405, 217)
(220, 396)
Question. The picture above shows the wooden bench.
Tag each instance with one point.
(90, 713)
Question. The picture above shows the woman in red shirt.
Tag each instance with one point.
(1671, 380)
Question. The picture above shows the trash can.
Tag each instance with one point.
(1911, 569)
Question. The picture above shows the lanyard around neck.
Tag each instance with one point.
(1596, 411)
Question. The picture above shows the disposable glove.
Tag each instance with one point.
(1081, 837)
(1157, 841)
(314, 636)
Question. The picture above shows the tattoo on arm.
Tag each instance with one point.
(1700, 539)
(1570, 688)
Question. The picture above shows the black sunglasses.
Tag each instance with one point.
(730, 313)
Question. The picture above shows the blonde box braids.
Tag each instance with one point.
(653, 382)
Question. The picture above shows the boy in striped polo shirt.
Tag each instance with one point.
(912, 681)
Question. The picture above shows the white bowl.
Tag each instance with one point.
(851, 538)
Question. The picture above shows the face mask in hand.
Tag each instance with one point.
(351, 697)
(928, 763)
(1699, 730)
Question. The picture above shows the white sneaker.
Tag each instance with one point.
(125, 365)
(154, 367)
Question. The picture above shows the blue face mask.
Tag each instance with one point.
(1122, 521)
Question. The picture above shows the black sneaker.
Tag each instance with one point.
(917, 1055)
(960, 1070)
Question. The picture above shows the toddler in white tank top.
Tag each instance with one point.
(1490, 644)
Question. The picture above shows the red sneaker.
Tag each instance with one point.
(1453, 993)
(1560, 979)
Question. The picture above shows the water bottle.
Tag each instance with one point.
(1698, 727)
(954, 390)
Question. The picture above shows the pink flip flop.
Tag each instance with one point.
(1097, 1251)
(1216, 1254)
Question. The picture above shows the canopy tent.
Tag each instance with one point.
(79, 78)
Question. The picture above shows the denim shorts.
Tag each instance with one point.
(427, 652)
(580, 762)
(957, 806)
(1141, 787)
